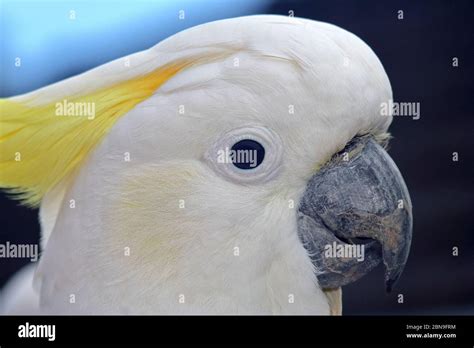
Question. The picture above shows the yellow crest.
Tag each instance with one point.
(42, 144)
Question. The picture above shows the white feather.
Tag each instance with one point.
(335, 84)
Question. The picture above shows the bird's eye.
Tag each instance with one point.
(249, 154)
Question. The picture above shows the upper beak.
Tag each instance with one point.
(363, 201)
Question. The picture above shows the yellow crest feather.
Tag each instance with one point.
(39, 148)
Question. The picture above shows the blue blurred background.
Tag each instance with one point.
(58, 39)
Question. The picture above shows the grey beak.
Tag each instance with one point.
(358, 204)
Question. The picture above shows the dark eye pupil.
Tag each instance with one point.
(247, 154)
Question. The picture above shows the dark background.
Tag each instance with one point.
(417, 54)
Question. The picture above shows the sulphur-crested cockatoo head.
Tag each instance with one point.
(149, 205)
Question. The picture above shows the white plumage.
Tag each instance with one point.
(183, 259)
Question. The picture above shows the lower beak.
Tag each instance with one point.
(355, 213)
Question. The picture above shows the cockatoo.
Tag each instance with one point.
(140, 211)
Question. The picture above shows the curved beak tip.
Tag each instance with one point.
(389, 284)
